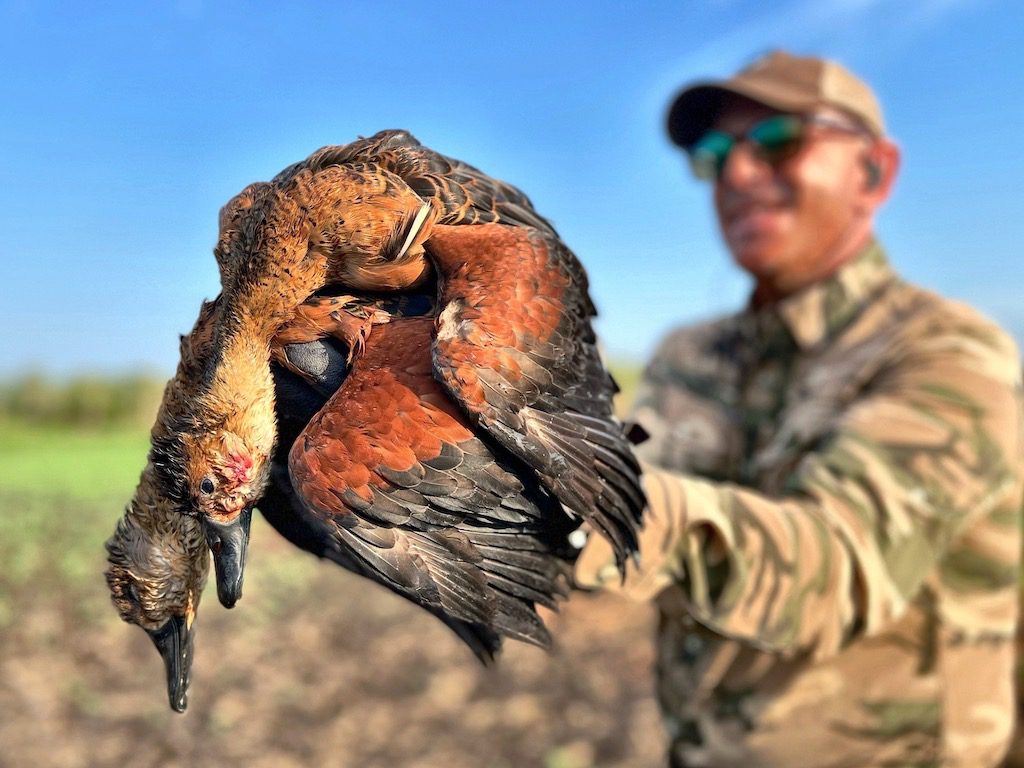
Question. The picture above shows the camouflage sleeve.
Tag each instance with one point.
(931, 449)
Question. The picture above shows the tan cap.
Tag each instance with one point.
(779, 80)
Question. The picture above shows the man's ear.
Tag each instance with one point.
(881, 166)
(874, 173)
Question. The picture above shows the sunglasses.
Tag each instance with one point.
(772, 140)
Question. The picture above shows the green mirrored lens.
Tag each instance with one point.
(773, 140)
(708, 155)
(777, 136)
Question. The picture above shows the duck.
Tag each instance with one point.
(476, 541)
(512, 345)
(157, 559)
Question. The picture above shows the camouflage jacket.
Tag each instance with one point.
(835, 548)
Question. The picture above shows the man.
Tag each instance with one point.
(834, 473)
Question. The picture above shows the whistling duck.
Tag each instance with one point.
(468, 534)
(513, 344)
(158, 558)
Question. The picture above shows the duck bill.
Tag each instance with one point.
(229, 543)
(174, 640)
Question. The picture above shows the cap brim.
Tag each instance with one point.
(696, 108)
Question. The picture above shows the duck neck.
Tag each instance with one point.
(240, 386)
(261, 300)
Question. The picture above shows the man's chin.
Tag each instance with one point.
(760, 261)
(759, 242)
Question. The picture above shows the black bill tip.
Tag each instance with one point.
(229, 543)
(174, 640)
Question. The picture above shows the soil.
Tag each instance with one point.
(317, 667)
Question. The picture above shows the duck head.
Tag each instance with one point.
(157, 566)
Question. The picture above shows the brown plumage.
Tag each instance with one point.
(392, 471)
(514, 347)
(273, 253)
(491, 605)
(513, 546)
(157, 558)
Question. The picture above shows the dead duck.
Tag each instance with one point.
(513, 344)
(158, 559)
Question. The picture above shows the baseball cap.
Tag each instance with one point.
(779, 80)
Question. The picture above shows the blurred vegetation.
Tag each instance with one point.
(84, 401)
(627, 375)
(61, 490)
(105, 402)
(71, 452)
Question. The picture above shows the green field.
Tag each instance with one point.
(338, 664)
(60, 492)
(74, 465)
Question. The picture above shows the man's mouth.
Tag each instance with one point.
(751, 220)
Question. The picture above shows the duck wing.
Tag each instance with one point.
(390, 474)
(515, 348)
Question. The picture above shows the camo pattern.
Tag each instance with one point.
(835, 546)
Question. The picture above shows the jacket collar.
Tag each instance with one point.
(819, 311)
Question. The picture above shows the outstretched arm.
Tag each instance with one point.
(925, 468)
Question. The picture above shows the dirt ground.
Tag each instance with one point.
(316, 667)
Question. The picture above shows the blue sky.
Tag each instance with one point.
(127, 126)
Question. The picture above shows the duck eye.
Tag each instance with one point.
(206, 486)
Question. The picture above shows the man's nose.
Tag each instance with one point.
(743, 167)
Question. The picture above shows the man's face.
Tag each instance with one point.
(786, 223)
